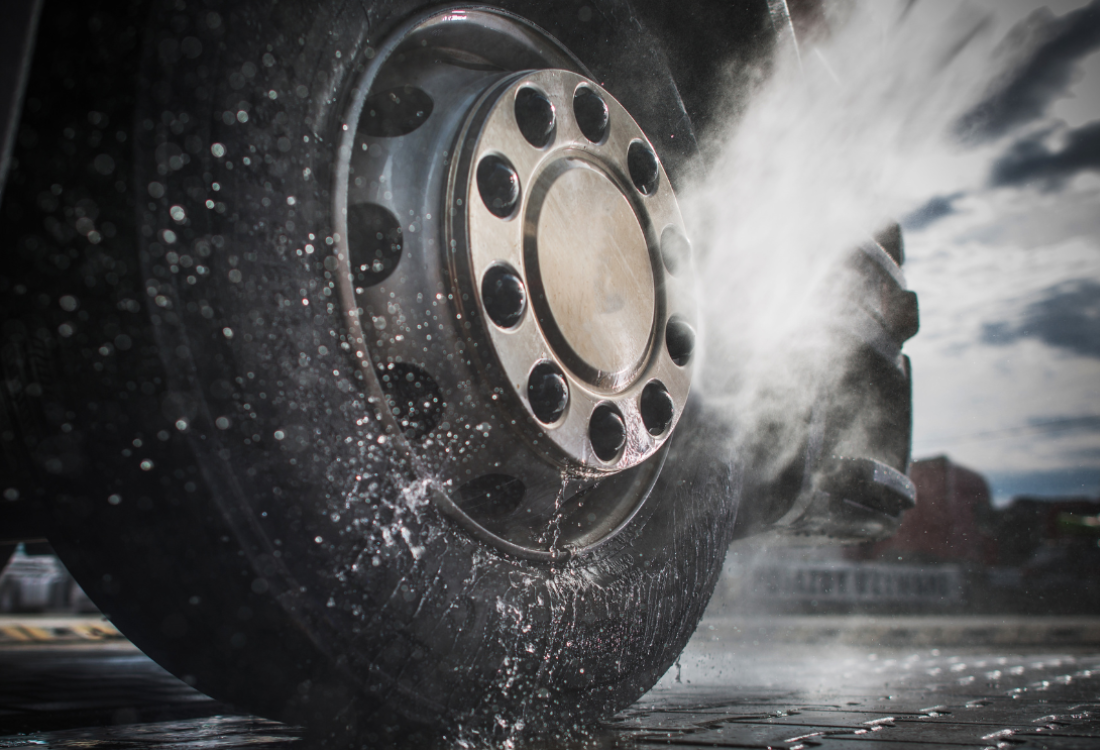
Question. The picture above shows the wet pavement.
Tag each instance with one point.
(798, 683)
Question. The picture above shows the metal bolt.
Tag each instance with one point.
(642, 163)
(547, 392)
(656, 407)
(535, 116)
(680, 341)
(606, 431)
(675, 250)
(591, 113)
(504, 296)
(498, 184)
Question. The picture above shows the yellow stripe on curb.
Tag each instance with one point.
(27, 633)
(15, 633)
(97, 632)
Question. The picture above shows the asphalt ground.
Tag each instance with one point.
(832, 683)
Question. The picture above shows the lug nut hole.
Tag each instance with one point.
(657, 408)
(413, 397)
(591, 112)
(547, 392)
(504, 296)
(607, 432)
(396, 112)
(675, 250)
(374, 243)
(680, 341)
(642, 163)
(498, 184)
(534, 116)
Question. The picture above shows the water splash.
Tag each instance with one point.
(850, 131)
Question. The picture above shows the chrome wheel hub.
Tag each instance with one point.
(516, 279)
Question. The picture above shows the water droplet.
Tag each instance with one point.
(104, 164)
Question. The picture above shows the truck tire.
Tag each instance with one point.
(255, 508)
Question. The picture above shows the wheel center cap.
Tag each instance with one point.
(595, 269)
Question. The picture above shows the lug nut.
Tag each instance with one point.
(547, 392)
(504, 296)
(535, 116)
(498, 184)
(591, 113)
(675, 250)
(607, 432)
(657, 408)
(642, 163)
(680, 341)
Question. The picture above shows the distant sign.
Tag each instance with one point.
(858, 582)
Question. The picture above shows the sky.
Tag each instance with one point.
(1007, 268)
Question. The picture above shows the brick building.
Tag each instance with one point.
(953, 520)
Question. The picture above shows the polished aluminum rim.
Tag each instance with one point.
(514, 274)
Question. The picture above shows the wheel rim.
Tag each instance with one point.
(514, 274)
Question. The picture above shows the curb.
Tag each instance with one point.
(31, 631)
(905, 631)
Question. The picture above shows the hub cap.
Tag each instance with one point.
(515, 275)
(592, 263)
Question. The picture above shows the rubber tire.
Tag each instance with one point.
(279, 564)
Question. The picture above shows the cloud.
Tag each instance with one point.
(1064, 224)
(1054, 483)
(1031, 160)
(931, 212)
(1059, 43)
(1067, 316)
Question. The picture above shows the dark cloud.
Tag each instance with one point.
(931, 212)
(1043, 76)
(1030, 160)
(1067, 316)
